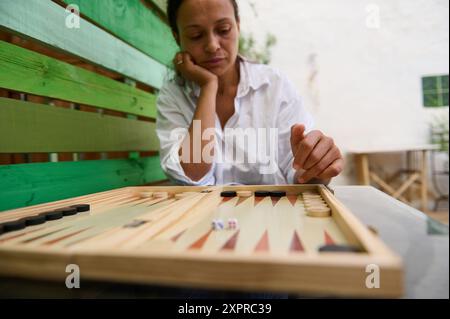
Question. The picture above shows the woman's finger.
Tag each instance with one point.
(322, 148)
(333, 170)
(305, 147)
(322, 166)
(297, 134)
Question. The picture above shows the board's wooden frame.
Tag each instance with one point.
(329, 274)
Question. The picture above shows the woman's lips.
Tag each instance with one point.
(214, 61)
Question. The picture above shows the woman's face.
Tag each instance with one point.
(209, 32)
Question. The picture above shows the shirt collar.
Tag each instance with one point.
(249, 79)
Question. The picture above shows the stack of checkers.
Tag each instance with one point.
(315, 205)
(146, 194)
(271, 194)
(244, 194)
(43, 217)
(339, 249)
(250, 193)
(149, 194)
(160, 194)
(228, 194)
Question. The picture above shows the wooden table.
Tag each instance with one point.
(415, 172)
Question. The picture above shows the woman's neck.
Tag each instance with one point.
(229, 81)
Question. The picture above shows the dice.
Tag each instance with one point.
(232, 223)
(218, 224)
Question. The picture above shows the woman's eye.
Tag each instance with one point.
(198, 36)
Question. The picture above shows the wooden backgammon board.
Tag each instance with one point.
(288, 238)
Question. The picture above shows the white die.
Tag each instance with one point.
(217, 224)
(232, 223)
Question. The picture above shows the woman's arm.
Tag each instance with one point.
(204, 115)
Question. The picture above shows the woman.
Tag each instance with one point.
(226, 105)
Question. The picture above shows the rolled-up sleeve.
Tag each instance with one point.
(172, 125)
(292, 111)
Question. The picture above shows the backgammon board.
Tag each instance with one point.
(286, 238)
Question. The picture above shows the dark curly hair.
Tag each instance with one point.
(174, 5)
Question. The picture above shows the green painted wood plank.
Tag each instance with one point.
(45, 21)
(30, 72)
(44, 128)
(133, 22)
(30, 184)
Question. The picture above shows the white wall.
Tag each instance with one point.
(361, 83)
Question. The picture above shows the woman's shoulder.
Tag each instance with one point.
(171, 83)
(258, 72)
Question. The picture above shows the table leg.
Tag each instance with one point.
(424, 182)
(362, 168)
(409, 155)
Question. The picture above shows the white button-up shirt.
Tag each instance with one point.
(266, 106)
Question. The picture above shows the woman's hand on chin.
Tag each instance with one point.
(186, 67)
